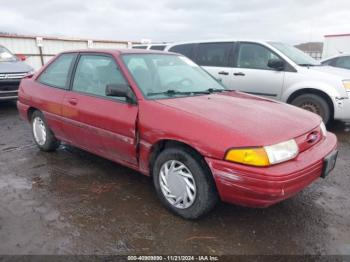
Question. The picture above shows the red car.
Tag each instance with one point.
(161, 114)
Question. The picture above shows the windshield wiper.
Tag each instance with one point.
(171, 92)
(307, 65)
(216, 90)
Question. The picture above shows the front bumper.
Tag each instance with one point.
(342, 108)
(9, 89)
(264, 186)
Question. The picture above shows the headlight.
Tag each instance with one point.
(323, 129)
(31, 72)
(264, 156)
(282, 152)
(346, 84)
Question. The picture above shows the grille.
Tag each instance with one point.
(305, 142)
(4, 88)
(12, 75)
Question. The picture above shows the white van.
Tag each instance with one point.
(275, 70)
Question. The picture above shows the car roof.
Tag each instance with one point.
(220, 40)
(150, 44)
(117, 51)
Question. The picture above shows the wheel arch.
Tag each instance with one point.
(163, 144)
(314, 91)
(30, 112)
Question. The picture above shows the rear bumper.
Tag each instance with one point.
(9, 89)
(264, 186)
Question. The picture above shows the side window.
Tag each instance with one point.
(254, 56)
(343, 62)
(56, 74)
(185, 49)
(328, 62)
(214, 54)
(157, 47)
(140, 71)
(94, 73)
(140, 47)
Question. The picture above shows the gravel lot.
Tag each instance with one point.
(72, 202)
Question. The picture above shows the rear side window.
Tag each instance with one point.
(214, 54)
(94, 73)
(56, 74)
(343, 62)
(185, 49)
(254, 56)
(158, 47)
(140, 47)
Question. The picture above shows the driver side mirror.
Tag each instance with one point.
(121, 90)
(276, 64)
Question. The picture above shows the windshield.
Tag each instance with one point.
(6, 56)
(296, 55)
(162, 75)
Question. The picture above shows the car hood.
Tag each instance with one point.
(333, 71)
(262, 121)
(14, 67)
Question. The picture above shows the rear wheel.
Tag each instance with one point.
(315, 104)
(183, 183)
(42, 134)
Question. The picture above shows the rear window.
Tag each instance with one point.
(56, 74)
(158, 47)
(185, 49)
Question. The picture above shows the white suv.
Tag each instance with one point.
(275, 70)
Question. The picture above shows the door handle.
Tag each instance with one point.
(73, 101)
(239, 74)
(223, 73)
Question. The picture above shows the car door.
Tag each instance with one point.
(216, 59)
(51, 88)
(252, 74)
(100, 124)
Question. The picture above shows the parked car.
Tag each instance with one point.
(163, 115)
(159, 47)
(341, 61)
(275, 70)
(12, 70)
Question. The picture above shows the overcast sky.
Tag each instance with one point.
(177, 20)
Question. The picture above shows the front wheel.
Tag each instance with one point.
(42, 134)
(315, 104)
(183, 183)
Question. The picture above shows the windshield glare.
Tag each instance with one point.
(296, 55)
(162, 75)
(6, 56)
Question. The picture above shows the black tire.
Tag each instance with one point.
(206, 194)
(51, 143)
(315, 104)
